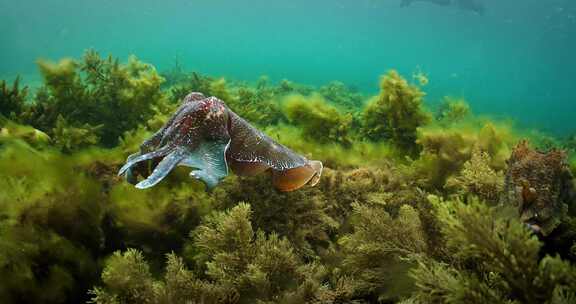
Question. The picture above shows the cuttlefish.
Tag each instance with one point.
(205, 135)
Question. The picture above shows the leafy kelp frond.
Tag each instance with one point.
(319, 121)
(396, 113)
(377, 254)
(12, 99)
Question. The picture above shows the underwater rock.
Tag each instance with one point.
(206, 135)
(540, 185)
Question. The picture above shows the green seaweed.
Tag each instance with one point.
(396, 113)
(241, 266)
(68, 138)
(10, 130)
(503, 261)
(305, 221)
(377, 255)
(478, 178)
(342, 96)
(446, 149)
(335, 155)
(71, 230)
(49, 255)
(318, 120)
(572, 163)
(452, 110)
(96, 91)
(12, 99)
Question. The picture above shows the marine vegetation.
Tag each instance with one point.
(452, 110)
(445, 149)
(12, 98)
(253, 103)
(412, 207)
(490, 259)
(396, 114)
(342, 96)
(318, 120)
(236, 264)
(380, 251)
(477, 178)
(573, 164)
(99, 95)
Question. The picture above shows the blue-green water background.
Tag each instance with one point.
(517, 60)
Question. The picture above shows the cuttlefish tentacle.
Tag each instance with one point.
(163, 168)
(160, 138)
(207, 136)
(134, 159)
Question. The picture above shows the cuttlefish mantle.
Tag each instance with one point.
(205, 135)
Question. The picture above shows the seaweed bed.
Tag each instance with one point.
(415, 206)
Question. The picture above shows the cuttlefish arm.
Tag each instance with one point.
(252, 152)
(195, 136)
(154, 142)
(207, 136)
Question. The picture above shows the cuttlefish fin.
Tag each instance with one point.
(134, 158)
(208, 161)
(162, 169)
(245, 168)
(295, 178)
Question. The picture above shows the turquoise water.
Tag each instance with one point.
(516, 60)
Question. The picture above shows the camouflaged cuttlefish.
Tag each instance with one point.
(207, 136)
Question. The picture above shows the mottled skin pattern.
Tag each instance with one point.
(540, 186)
(206, 135)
